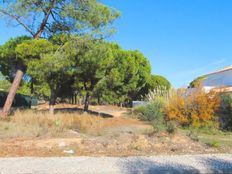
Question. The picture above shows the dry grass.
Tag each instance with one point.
(31, 123)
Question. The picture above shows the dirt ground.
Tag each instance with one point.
(121, 136)
(121, 144)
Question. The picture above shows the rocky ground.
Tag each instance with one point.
(120, 144)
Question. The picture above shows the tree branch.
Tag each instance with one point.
(45, 19)
(53, 17)
(18, 20)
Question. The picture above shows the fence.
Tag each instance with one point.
(19, 100)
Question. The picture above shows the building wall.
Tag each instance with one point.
(221, 79)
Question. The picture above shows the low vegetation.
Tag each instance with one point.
(153, 112)
(225, 112)
(191, 109)
(35, 124)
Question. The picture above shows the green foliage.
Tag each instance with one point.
(213, 143)
(18, 53)
(161, 81)
(126, 75)
(25, 89)
(61, 16)
(67, 65)
(50, 67)
(19, 100)
(89, 60)
(211, 128)
(157, 81)
(171, 127)
(9, 60)
(4, 85)
(225, 112)
(152, 112)
(35, 55)
(42, 90)
(226, 103)
(48, 18)
(196, 83)
(33, 49)
(59, 39)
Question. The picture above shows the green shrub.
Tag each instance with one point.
(152, 112)
(158, 126)
(171, 127)
(225, 112)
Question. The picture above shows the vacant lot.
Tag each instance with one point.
(35, 133)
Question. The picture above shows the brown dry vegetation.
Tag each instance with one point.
(32, 123)
(30, 133)
(197, 108)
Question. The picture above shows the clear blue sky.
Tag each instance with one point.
(182, 38)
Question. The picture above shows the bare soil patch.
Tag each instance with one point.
(123, 144)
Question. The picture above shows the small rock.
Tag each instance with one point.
(69, 151)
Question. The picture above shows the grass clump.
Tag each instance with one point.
(171, 127)
(213, 143)
(193, 135)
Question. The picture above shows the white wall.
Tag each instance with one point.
(222, 79)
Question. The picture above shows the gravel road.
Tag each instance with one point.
(220, 163)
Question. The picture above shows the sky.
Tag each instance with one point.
(183, 39)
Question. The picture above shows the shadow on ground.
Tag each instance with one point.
(148, 166)
(217, 165)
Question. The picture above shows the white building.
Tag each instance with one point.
(221, 79)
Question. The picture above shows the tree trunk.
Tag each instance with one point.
(86, 107)
(98, 100)
(72, 99)
(12, 93)
(75, 99)
(32, 92)
(52, 102)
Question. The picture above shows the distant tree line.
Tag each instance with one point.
(66, 66)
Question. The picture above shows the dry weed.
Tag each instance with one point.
(35, 123)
